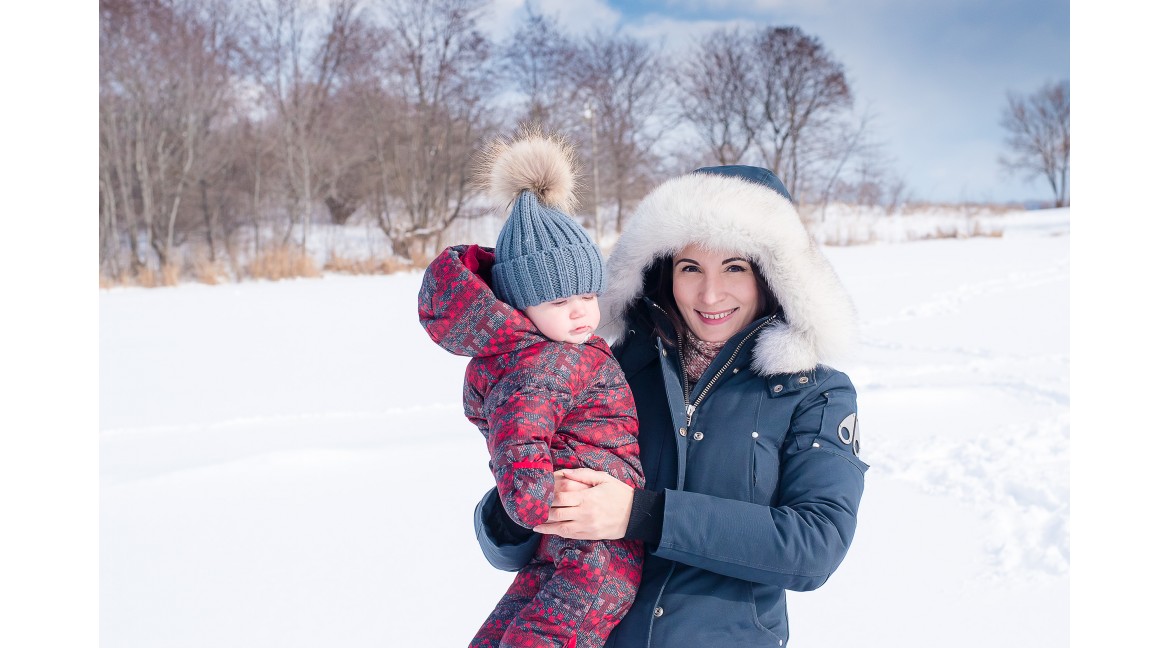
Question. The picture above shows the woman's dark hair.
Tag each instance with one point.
(658, 285)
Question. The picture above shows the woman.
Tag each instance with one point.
(722, 313)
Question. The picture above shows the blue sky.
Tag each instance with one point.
(934, 73)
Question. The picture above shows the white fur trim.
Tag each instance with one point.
(735, 215)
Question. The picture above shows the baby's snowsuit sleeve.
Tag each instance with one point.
(524, 410)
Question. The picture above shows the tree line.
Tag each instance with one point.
(227, 129)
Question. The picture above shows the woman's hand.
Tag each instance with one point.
(588, 505)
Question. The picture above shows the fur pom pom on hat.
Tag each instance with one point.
(542, 253)
(532, 162)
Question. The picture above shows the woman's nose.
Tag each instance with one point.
(711, 290)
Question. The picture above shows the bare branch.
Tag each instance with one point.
(1039, 137)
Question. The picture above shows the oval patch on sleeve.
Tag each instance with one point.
(847, 433)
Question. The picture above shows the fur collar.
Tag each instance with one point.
(729, 213)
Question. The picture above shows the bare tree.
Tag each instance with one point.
(165, 76)
(719, 93)
(538, 59)
(120, 211)
(775, 97)
(255, 172)
(426, 108)
(346, 167)
(298, 62)
(625, 84)
(607, 92)
(802, 90)
(542, 64)
(240, 176)
(841, 148)
(870, 177)
(1038, 136)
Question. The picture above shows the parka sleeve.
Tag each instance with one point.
(524, 411)
(800, 542)
(501, 554)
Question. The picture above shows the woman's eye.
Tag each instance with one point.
(689, 268)
(736, 268)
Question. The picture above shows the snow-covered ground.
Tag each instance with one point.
(287, 464)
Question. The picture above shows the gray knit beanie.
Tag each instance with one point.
(542, 254)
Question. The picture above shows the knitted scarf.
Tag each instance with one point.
(698, 355)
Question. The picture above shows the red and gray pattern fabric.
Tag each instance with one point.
(572, 593)
(541, 406)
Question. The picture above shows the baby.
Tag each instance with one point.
(546, 393)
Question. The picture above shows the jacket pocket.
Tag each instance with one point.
(771, 610)
(772, 422)
(765, 469)
(712, 612)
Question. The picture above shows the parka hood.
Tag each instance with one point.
(728, 208)
(460, 312)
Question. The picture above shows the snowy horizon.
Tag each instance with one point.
(288, 463)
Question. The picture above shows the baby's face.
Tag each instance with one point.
(566, 320)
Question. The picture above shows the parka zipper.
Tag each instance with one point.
(691, 407)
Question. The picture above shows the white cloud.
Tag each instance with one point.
(677, 35)
(740, 7)
(578, 17)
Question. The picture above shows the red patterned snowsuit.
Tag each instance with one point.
(542, 406)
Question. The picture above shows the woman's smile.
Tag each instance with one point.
(715, 319)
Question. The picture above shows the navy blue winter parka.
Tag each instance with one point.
(759, 460)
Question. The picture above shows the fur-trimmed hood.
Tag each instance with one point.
(722, 210)
(460, 312)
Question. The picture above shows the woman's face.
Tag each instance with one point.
(716, 292)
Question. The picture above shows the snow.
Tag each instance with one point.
(287, 463)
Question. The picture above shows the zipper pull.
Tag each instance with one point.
(690, 413)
